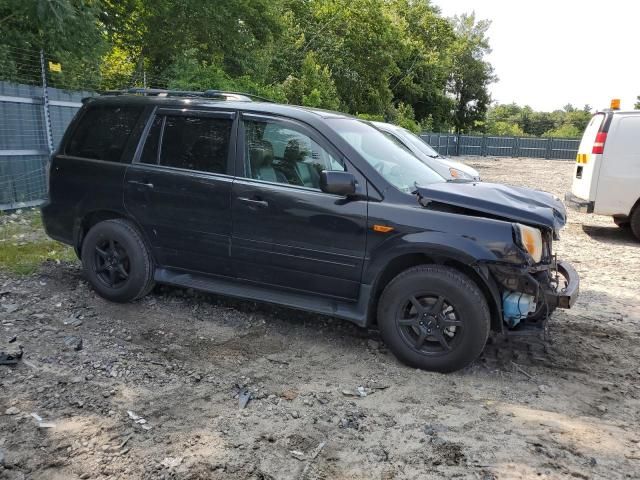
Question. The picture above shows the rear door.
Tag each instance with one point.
(618, 186)
(179, 189)
(585, 178)
(286, 231)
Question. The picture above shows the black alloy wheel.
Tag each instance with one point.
(434, 317)
(430, 324)
(116, 261)
(112, 264)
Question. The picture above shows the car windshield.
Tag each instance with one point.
(419, 143)
(396, 164)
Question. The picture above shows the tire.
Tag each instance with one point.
(622, 222)
(442, 295)
(116, 261)
(635, 222)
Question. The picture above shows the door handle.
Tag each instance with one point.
(254, 202)
(142, 184)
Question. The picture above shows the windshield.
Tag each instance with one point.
(419, 143)
(396, 164)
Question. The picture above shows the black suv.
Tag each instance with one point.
(311, 209)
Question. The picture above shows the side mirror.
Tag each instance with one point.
(337, 182)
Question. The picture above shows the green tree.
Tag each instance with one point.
(314, 87)
(566, 130)
(506, 129)
(423, 58)
(471, 74)
(637, 104)
(356, 40)
(67, 29)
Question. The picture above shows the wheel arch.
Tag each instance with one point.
(477, 273)
(89, 219)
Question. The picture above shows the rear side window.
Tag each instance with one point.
(103, 133)
(189, 142)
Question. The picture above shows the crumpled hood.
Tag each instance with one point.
(518, 204)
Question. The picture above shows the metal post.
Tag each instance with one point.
(515, 148)
(547, 154)
(45, 103)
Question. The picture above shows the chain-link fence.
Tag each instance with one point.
(450, 144)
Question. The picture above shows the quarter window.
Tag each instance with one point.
(189, 142)
(103, 133)
(282, 153)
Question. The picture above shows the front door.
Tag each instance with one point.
(179, 190)
(286, 232)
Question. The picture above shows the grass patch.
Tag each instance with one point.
(24, 246)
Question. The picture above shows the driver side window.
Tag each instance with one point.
(281, 153)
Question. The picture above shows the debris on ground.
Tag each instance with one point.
(171, 462)
(243, 399)
(138, 420)
(171, 357)
(289, 395)
(357, 392)
(73, 342)
(11, 358)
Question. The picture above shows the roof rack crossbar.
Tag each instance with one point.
(161, 92)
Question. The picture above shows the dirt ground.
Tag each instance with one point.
(155, 392)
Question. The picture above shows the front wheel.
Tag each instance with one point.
(635, 222)
(117, 261)
(434, 317)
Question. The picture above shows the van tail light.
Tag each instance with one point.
(598, 145)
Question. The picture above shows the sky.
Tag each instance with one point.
(549, 53)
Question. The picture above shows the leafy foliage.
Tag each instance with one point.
(512, 119)
(400, 60)
(471, 74)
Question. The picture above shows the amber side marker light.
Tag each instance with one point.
(582, 158)
(382, 228)
(615, 104)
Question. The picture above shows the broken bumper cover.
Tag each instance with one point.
(577, 203)
(566, 297)
(518, 279)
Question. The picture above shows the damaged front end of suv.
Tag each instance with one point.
(531, 281)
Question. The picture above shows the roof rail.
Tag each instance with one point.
(161, 92)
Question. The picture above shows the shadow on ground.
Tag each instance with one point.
(617, 235)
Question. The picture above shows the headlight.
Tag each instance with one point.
(455, 173)
(531, 240)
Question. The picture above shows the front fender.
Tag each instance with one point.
(439, 247)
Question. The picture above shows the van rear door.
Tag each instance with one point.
(618, 187)
(585, 178)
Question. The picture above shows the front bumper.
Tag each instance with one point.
(566, 297)
(577, 203)
(540, 284)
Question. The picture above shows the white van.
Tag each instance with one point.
(606, 178)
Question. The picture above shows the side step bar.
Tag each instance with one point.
(353, 311)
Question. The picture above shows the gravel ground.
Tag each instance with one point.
(157, 388)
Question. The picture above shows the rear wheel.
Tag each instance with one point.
(116, 261)
(635, 222)
(434, 318)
